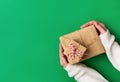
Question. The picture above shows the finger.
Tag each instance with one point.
(88, 24)
(99, 27)
(61, 50)
(60, 62)
(103, 26)
(63, 61)
(62, 56)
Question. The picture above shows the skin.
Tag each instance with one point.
(99, 26)
(63, 60)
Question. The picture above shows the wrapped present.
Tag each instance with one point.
(81, 44)
(74, 52)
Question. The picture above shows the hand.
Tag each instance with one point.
(63, 60)
(99, 26)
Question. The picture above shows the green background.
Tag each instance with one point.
(29, 37)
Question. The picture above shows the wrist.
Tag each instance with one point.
(65, 65)
(105, 37)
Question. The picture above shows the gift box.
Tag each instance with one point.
(81, 44)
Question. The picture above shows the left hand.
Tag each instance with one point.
(63, 59)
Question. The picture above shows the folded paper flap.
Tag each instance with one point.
(73, 36)
(84, 36)
(72, 42)
(88, 35)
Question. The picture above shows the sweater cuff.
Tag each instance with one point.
(68, 67)
(105, 38)
(75, 69)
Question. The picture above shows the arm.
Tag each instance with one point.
(82, 73)
(111, 46)
(112, 49)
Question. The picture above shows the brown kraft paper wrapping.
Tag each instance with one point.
(89, 40)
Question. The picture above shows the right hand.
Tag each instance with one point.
(99, 26)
